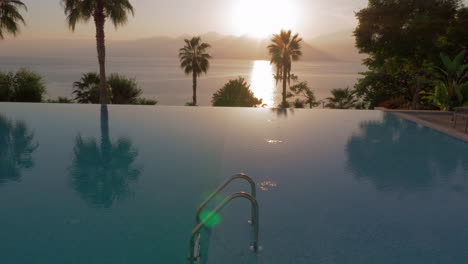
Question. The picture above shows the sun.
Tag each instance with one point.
(261, 18)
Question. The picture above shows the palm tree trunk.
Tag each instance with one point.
(417, 87)
(285, 75)
(100, 20)
(416, 96)
(452, 96)
(194, 88)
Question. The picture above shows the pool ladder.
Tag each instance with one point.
(194, 257)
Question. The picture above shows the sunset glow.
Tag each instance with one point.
(262, 82)
(261, 18)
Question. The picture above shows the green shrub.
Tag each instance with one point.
(342, 98)
(284, 105)
(451, 84)
(145, 101)
(124, 90)
(22, 86)
(298, 103)
(5, 87)
(60, 100)
(236, 93)
(304, 95)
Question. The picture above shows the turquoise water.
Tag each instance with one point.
(78, 185)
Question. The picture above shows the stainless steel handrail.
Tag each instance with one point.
(241, 176)
(196, 231)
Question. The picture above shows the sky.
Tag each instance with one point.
(46, 20)
(255, 18)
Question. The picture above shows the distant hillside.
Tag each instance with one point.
(223, 47)
(340, 44)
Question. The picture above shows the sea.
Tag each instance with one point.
(163, 79)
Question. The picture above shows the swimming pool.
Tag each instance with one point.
(333, 186)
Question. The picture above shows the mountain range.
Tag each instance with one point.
(338, 46)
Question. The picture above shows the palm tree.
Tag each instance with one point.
(86, 90)
(83, 10)
(10, 17)
(194, 59)
(342, 99)
(284, 49)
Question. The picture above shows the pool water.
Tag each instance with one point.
(85, 184)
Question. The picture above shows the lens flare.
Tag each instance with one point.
(211, 219)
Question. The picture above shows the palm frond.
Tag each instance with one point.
(194, 56)
(117, 11)
(83, 10)
(284, 48)
(10, 17)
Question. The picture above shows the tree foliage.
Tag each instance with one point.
(285, 48)
(84, 10)
(21, 86)
(383, 83)
(86, 90)
(406, 29)
(236, 93)
(456, 38)
(116, 11)
(451, 84)
(60, 100)
(305, 94)
(342, 99)
(123, 90)
(195, 60)
(145, 101)
(400, 37)
(10, 17)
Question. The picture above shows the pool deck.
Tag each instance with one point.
(437, 120)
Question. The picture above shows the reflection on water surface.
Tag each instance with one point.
(103, 171)
(16, 149)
